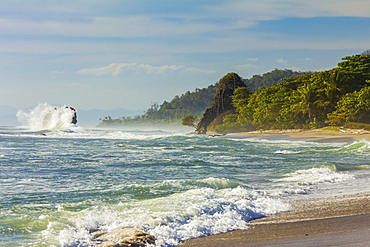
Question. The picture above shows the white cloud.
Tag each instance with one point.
(253, 11)
(117, 68)
(246, 66)
(281, 61)
(306, 59)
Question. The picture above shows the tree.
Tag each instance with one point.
(222, 101)
(189, 121)
(367, 52)
(305, 100)
(353, 107)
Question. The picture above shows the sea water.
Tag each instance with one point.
(57, 186)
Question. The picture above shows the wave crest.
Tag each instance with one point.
(46, 117)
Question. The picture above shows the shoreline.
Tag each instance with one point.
(334, 221)
(314, 135)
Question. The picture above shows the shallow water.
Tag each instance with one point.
(58, 186)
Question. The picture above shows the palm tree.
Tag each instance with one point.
(305, 100)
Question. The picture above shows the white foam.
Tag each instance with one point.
(285, 152)
(44, 117)
(178, 217)
(316, 176)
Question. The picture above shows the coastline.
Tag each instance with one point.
(334, 221)
(314, 135)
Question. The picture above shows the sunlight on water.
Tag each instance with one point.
(60, 187)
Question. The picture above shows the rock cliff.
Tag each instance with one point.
(221, 102)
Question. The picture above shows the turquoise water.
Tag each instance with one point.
(58, 186)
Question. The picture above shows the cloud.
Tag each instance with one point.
(246, 66)
(281, 61)
(306, 59)
(278, 9)
(117, 68)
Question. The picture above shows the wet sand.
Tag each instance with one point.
(335, 221)
(316, 135)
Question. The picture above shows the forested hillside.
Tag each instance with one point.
(192, 103)
(334, 97)
(269, 78)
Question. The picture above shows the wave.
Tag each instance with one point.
(315, 176)
(357, 146)
(171, 219)
(47, 117)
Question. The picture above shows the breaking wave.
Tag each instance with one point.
(47, 117)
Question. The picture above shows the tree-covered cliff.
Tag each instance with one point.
(191, 103)
(333, 97)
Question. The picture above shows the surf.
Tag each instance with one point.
(47, 117)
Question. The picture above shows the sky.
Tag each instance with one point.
(131, 53)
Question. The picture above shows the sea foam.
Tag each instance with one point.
(181, 216)
(46, 117)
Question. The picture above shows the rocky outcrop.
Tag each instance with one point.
(74, 117)
(60, 115)
(222, 101)
(123, 237)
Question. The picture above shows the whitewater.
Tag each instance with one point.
(62, 183)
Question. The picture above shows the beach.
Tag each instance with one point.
(334, 221)
(314, 135)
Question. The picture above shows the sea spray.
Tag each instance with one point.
(46, 117)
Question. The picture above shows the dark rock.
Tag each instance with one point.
(222, 101)
(123, 237)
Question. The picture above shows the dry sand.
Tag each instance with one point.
(335, 221)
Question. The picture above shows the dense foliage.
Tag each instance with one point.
(332, 97)
(269, 78)
(221, 103)
(192, 103)
(279, 99)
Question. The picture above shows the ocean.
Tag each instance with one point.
(61, 184)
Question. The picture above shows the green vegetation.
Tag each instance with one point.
(221, 104)
(190, 103)
(269, 78)
(189, 120)
(334, 97)
(280, 99)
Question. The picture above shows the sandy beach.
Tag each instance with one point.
(315, 135)
(335, 221)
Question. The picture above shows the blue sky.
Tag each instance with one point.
(127, 54)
